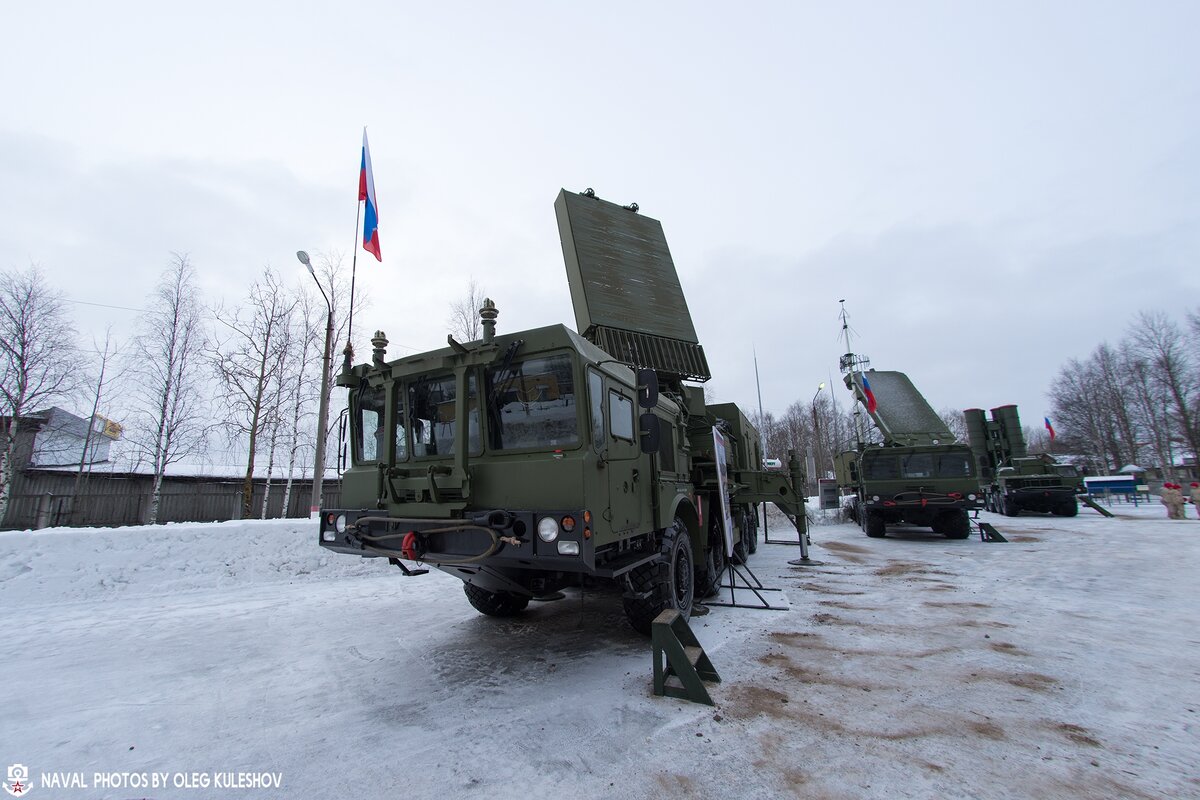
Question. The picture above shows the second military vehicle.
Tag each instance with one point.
(526, 462)
(918, 474)
(1012, 480)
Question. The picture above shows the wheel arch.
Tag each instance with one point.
(686, 513)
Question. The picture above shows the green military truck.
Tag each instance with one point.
(527, 462)
(918, 474)
(1011, 480)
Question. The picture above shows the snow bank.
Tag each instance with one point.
(74, 564)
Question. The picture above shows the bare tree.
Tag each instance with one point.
(170, 412)
(1172, 365)
(40, 362)
(1114, 397)
(1148, 405)
(245, 359)
(304, 354)
(464, 320)
(104, 379)
(956, 422)
(1037, 440)
(1087, 429)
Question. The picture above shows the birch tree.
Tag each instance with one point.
(305, 353)
(170, 412)
(104, 379)
(39, 362)
(245, 359)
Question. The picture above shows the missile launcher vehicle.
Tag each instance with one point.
(1011, 480)
(531, 461)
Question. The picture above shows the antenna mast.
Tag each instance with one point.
(849, 364)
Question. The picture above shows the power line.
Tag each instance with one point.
(105, 305)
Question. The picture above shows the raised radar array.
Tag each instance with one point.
(626, 293)
(902, 413)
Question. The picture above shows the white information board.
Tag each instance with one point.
(723, 484)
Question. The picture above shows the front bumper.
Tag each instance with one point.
(926, 500)
(497, 537)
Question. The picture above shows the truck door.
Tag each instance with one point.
(614, 435)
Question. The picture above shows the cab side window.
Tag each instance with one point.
(596, 397)
(369, 437)
(620, 416)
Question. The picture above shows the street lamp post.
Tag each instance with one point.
(804, 560)
(323, 413)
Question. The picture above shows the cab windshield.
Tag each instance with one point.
(911, 466)
(429, 419)
(531, 404)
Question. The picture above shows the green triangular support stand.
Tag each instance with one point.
(1092, 504)
(989, 534)
(680, 663)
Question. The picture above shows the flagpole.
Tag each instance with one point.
(349, 351)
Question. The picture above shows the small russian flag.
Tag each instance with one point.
(1049, 427)
(366, 191)
(866, 385)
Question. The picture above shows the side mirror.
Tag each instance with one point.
(650, 432)
(341, 462)
(647, 389)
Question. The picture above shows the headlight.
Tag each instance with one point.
(875, 498)
(568, 548)
(548, 529)
(340, 523)
(970, 497)
(329, 536)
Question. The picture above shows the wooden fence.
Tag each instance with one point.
(44, 498)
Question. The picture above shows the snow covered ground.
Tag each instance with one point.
(1065, 663)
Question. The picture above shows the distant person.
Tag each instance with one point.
(1172, 498)
(1196, 496)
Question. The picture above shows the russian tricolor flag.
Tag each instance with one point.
(1049, 427)
(870, 395)
(366, 191)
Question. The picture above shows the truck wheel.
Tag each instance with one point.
(875, 527)
(495, 604)
(956, 525)
(741, 548)
(708, 580)
(1010, 508)
(754, 532)
(1070, 509)
(667, 580)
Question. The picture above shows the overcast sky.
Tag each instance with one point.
(992, 188)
